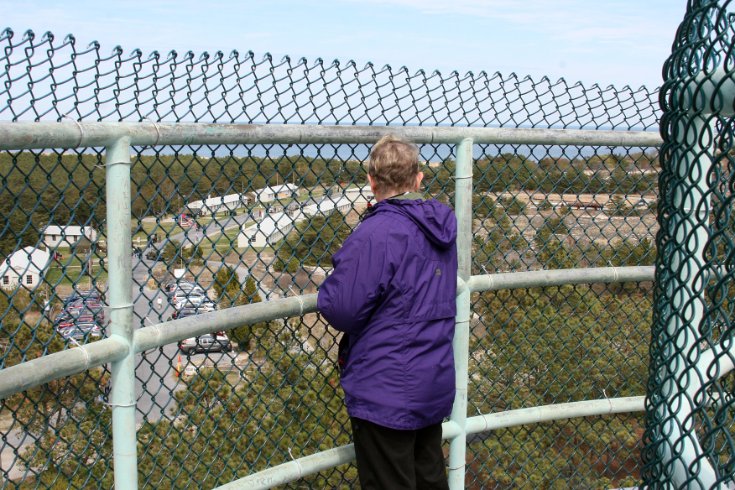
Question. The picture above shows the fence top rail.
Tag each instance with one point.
(73, 134)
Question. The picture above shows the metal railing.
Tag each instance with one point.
(122, 344)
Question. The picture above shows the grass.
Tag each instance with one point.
(69, 272)
(223, 241)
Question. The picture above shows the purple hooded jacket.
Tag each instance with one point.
(392, 292)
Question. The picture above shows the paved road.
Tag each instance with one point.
(210, 230)
(156, 378)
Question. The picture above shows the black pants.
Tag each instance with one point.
(390, 459)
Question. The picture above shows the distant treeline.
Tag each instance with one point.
(68, 189)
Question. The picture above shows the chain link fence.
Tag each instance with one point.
(689, 415)
(226, 225)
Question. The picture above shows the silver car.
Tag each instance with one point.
(209, 342)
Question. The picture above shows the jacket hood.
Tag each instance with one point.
(435, 220)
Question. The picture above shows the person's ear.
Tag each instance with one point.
(372, 183)
(419, 178)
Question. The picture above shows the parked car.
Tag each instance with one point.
(190, 309)
(78, 324)
(92, 304)
(185, 286)
(194, 297)
(85, 296)
(175, 284)
(216, 342)
(78, 332)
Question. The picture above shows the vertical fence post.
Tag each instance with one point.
(463, 210)
(677, 393)
(120, 297)
(685, 289)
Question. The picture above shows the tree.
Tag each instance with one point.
(244, 335)
(66, 417)
(173, 253)
(226, 284)
(554, 345)
(231, 293)
(226, 424)
(312, 242)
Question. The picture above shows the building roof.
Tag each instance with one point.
(327, 205)
(275, 189)
(273, 222)
(25, 260)
(211, 202)
(70, 230)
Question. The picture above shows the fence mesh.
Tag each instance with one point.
(218, 226)
(689, 423)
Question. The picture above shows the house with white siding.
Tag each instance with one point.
(327, 205)
(66, 236)
(270, 194)
(268, 231)
(218, 204)
(24, 267)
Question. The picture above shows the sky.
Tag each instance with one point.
(607, 42)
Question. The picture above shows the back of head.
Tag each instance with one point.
(394, 164)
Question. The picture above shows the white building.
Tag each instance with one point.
(270, 194)
(24, 267)
(66, 236)
(327, 205)
(360, 195)
(270, 230)
(275, 226)
(219, 204)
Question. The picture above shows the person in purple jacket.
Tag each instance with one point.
(392, 292)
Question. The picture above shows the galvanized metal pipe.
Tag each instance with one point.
(294, 470)
(558, 277)
(120, 294)
(706, 97)
(168, 332)
(69, 362)
(72, 135)
(37, 135)
(461, 342)
(559, 411)
(308, 465)
(684, 461)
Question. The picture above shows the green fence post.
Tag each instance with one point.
(120, 297)
(463, 210)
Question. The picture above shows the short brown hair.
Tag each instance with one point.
(394, 164)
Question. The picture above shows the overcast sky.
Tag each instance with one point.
(618, 42)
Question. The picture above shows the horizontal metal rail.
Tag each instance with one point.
(73, 361)
(560, 277)
(309, 465)
(169, 332)
(38, 135)
(44, 369)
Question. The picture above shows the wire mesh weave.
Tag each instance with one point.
(252, 222)
(688, 440)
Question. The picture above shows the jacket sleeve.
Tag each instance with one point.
(356, 286)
